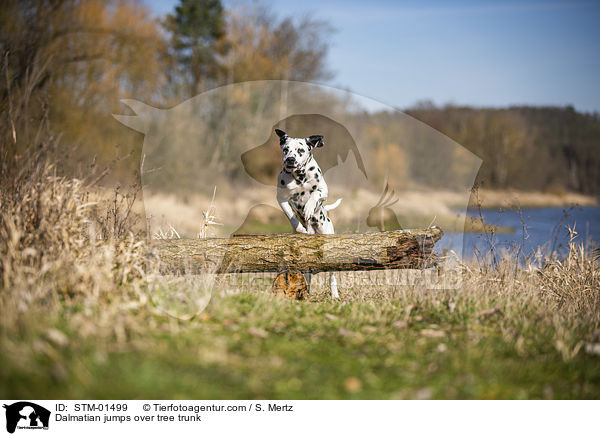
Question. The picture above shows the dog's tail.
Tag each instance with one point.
(333, 206)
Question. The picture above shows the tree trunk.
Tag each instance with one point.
(307, 253)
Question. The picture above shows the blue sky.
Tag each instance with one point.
(475, 53)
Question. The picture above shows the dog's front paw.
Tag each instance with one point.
(300, 229)
(309, 209)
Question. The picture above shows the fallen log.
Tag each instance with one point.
(400, 249)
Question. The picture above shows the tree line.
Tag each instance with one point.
(66, 64)
(530, 148)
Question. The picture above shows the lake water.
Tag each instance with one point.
(546, 229)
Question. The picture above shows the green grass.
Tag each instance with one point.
(253, 345)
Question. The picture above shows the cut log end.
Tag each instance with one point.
(291, 284)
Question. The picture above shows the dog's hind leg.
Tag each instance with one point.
(333, 285)
(326, 228)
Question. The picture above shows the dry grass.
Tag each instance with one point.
(414, 208)
(53, 256)
(85, 307)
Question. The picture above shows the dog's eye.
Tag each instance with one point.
(300, 151)
(285, 150)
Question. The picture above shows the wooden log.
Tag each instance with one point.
(398, 249)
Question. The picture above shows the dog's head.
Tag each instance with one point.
(297, 151)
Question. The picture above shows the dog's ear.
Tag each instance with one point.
(282, 135)
(315, 141)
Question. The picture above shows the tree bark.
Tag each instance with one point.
(398, 249)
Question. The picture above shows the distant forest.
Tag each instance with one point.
(531, 148)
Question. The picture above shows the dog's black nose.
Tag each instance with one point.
(290, 160)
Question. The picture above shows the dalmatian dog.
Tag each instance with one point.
(302, 191)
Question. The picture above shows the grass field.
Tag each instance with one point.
(81, 320)
(251, 345)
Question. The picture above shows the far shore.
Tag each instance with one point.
(491, 199)
(414, 209)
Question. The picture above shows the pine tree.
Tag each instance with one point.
(197, 29)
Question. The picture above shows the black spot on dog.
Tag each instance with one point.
(311, 169)
(282, 182)
(314, 187)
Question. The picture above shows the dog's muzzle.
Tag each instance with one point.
(290, 162)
